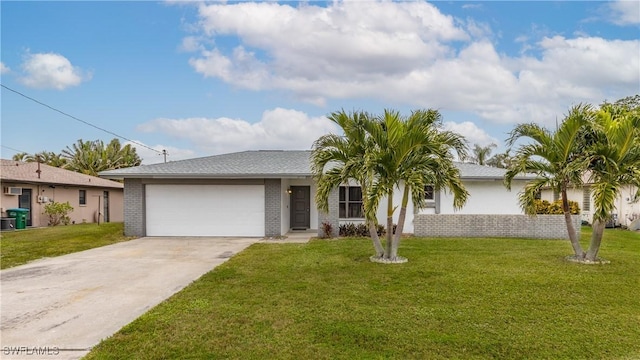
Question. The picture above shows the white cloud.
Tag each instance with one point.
(151, 157)
(4, 69)
(190, 44)
(472, 6)
(277, 129)
(624, 12)
(51, 71)
(348, 50)
(472, 133)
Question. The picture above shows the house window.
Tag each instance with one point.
(82, 197)
(586, 198)
(556, 195)
(429, 193)
(350, 202)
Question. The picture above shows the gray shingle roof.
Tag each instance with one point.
(259, 164)
(246, 164)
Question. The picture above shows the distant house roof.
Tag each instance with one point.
(27, 172)
(261, 164)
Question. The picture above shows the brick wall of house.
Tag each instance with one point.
(272, 207)
(332, 216)
(134, 215)
(516, 226)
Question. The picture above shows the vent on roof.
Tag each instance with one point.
(12, 191)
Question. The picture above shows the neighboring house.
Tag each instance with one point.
(627, 207)
(269, 193)
(31, 185)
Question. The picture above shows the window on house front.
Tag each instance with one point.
(556, 195)
(429, 193)
(350, 203)
(82, 197)
(586, 199)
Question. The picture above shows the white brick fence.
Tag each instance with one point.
(514, 226)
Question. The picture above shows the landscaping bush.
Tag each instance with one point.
(359, 230)
(327, 230)
(58, 213)
(543, 207)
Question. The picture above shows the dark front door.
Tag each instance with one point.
(105, 210)
(300, 206)
(24, 201)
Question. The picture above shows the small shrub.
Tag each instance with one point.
(543, 207)
(58, 213)
(327, 229)
(360, 230)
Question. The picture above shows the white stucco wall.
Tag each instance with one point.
(625, 208)
(486, 197)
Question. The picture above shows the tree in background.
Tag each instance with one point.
(481, 154)
(21, 156)
(87, 157)
(45, 157)
(92, 157)
(501, 160)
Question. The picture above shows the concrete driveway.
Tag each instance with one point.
(59, 308)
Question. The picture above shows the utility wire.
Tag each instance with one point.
(80, 120)
(14, 149)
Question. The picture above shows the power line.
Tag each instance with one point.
(80, 120)
(10, 148)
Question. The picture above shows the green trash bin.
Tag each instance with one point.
(20, 214)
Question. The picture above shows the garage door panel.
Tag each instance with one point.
(205, 210)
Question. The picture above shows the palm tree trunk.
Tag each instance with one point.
(596, 240)
(373, 231)
(573, 236)
(400, 227)
(387, 254)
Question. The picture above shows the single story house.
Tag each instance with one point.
(269, 193)
(32, 185)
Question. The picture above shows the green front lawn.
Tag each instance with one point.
(21, 246)
(455, 299)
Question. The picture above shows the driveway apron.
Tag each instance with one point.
(59, 308)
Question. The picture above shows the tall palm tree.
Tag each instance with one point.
(556, 158)
(614, 160)
(413, 152)
(338, 159)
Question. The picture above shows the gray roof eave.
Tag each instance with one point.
(205, 176)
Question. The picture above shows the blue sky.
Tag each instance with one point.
(206, 78)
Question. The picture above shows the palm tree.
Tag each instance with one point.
(338, 159)
(556, 158)
(415, 152)
(481, 154)
(50, 158)
(91, 157)
(614, 160)
(85, 157)
(21, 156)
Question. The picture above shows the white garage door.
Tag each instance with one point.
(205, 210)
